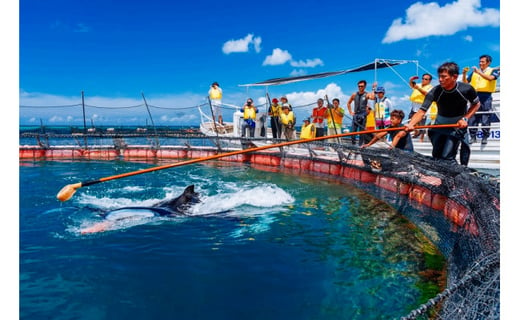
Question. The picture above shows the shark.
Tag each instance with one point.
(174, 207)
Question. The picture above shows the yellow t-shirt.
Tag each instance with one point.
(338, 117)
(371, 120)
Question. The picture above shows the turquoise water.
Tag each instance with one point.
(292, 247)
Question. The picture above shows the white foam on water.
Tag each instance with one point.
(244, 201)
(107, 203)
(237, 201)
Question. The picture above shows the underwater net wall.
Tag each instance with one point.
(473, 283)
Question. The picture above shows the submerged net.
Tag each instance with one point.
(472, 243)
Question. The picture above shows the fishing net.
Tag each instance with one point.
(470, 240)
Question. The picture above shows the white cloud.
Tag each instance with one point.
(242, 45)
(298, 72)
(257, 41)
(468, 38)
(278, 57)
(301, 98)
(309, 63)
(429, 19)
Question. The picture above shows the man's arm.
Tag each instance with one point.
(471, 111)
(349, 103)
(376, 137)
(415, 119)
(398, 137)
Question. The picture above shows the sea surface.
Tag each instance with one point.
(291, 246)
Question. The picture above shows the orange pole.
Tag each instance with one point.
(68, 191)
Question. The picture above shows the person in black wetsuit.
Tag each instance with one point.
(452, 98)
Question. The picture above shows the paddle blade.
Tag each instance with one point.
(68, 191)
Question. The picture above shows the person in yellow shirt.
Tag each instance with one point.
(335, 115)
(274, 112)
(308, 129)
(484, 80)
(215, 97)
(417, 96)
(249, 111)
(287, 119)
(371, 119)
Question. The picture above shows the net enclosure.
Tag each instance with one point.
(469, 236)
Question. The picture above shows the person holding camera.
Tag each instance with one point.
(419, 91)
(484, 79)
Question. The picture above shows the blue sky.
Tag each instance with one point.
(171, 52)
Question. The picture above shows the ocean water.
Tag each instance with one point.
(291, 247)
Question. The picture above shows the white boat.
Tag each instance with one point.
(483, 156)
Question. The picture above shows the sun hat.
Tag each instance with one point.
(380, 89)
(275, 100)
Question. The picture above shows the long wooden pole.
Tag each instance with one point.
(68, 191)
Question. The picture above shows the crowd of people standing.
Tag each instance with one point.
(452, 102)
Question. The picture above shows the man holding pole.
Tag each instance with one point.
(452, 98)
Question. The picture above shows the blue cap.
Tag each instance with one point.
(380, 89)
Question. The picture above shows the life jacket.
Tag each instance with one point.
(433, 111)
(371, 120)
(308, 131)
(287, 118)
(360, 103)
(249, 113)
(276, 109)
(215, 94)
(417, 96)
(381, 111)
(482, 85)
